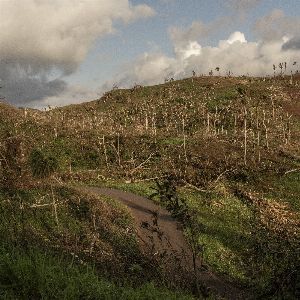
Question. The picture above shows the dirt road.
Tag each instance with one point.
(160, 234)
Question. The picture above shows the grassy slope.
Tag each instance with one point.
(226, 226)
(39, 275)
(143, 138)
(224, 233)
(91, 253)
(151, 118)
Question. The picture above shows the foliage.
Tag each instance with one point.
(95, 238)
(10, 165)
(167, 194)
(42, 166)
(197, 129)
(40, 275)
(275, 252)
(166, 191)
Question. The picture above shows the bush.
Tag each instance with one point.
(42, 166)
(274, 255)
(11, 165)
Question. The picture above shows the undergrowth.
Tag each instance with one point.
(36, 274)
(91, 253)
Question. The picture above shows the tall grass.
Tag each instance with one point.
(36, 274)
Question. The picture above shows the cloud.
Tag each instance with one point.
(40, 38)
(276, 24)
(197, 30)
(148, 69)
(243, 5)
(72, 94)
(292, 44)
(234, 54)
(20, 88)
(237, 36)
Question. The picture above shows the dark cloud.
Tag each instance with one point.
(20, 87)
(292, 44)
(39, 37)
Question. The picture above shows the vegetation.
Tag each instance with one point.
(231, 146)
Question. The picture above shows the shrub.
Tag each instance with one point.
(42, 166)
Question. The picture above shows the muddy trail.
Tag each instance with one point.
(159, 234)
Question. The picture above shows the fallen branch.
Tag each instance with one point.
(40, 205)
(292, 171)
(196, 188)
(141, 164)
(226, 171)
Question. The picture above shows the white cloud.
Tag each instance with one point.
(71, 95)
(56, 33)
(236, 36)
(147, 70)
(234, 54)
(186, 51)
(40, 36)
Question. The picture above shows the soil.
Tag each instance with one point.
(159, 233)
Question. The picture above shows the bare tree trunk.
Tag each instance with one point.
(215, 121)
(266, 129)
(273, 108)
(208, 123)
(235, 123)
(288, 129)
(154, 126)
(184, 138)
(54, 206)
(258, 145)
(118, 149)
(146, 122)
(105, 151)
(245, 135)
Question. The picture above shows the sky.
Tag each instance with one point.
(59, 52)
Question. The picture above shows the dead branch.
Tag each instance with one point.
(196, 188)
(292, 171)
(141, 164)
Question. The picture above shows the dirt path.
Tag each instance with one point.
(160, 233)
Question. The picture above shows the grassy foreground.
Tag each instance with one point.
(39, 275)
(87, 251)
(245, 242)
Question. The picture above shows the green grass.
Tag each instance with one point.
(34, 274)
(172, 141)
(225, 229)
(140, 188)
(224, 221)
(224, 224)
(286, 189)
(40, 259)
(96, 229)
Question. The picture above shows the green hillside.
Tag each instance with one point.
(232, 148)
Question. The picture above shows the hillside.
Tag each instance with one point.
(229, 148)
(194, 124)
